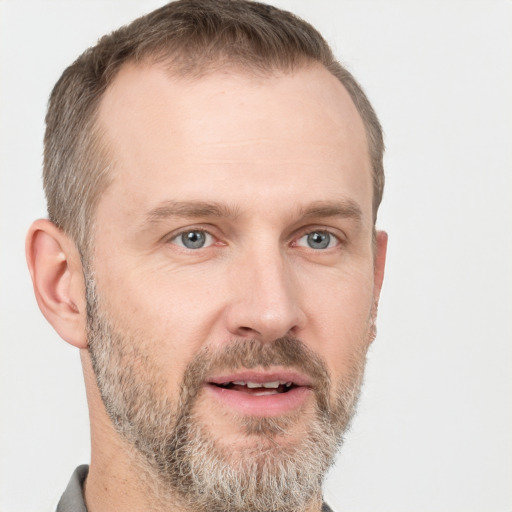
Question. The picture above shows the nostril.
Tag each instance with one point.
(244, 331)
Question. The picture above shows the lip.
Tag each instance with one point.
(265, 405)
(297, 378)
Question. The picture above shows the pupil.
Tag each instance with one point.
(319, 240)
(193, 239)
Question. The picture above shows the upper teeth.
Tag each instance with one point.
(274, 384)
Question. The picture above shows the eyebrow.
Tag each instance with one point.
(190, 209)
(346, 208)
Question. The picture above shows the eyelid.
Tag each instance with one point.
(330, 245)
(307, 230)
(336, 233)
(175, 235)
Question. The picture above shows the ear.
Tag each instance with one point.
(381, 247)
(57, 276)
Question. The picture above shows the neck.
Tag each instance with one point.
(120, 483)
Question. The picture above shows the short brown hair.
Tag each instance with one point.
(193, 37)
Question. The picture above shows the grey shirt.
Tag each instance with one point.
(73, 498)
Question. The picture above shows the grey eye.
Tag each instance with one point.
(193, 239)
(318, 240)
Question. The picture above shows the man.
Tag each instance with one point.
(213, 177)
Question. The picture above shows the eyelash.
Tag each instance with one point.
(295, 243)
(331, 235)
(180, 235)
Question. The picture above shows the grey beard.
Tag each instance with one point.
(181, 457)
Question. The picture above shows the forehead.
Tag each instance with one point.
(232, 135)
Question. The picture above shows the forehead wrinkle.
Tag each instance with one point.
(190, 209)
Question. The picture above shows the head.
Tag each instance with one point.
(213, 176)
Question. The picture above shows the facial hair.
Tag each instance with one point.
(179, 454)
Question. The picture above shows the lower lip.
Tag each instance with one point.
(261, 406)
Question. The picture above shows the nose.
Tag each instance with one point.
(265, 303)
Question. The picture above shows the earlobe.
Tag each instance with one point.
(57, 277)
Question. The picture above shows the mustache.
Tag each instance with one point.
(287, 351)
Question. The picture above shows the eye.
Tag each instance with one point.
(318, 240)
(193, 239)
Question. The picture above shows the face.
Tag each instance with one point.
(234, 287)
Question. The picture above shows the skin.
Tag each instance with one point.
(272, 153)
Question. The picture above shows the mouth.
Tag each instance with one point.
(261, 394)
(258, 388)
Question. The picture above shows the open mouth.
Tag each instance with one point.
(261, 393)
(257, 388)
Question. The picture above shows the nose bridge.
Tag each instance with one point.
(266, 302)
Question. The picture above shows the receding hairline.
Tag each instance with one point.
(228, 69)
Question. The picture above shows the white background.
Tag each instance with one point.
(434, 429)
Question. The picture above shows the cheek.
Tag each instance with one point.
(339, 317)
(169, 314)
